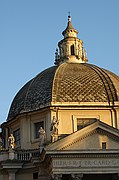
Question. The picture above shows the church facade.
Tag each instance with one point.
(64, 123)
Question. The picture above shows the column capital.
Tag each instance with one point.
(56, 176)
(77, 176)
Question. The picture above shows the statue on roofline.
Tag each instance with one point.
(11, 141)
(42, 136)
(54, 129)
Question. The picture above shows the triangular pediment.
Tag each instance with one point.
(91, 137)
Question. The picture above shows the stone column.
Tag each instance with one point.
(114, 118)
(56, 177)
(11, 175)
(11, 168)
(77, 176)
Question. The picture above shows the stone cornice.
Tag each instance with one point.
(83, 154)
(92, 104)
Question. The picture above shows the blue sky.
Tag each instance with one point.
(31, 29)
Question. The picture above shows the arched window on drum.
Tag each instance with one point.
(72, 50)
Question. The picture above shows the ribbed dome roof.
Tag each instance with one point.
(68, 82)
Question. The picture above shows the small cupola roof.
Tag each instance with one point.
(69, 31)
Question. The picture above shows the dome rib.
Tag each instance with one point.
(55, 79)
(111, 87)
(108, 84)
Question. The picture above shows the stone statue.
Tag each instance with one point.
(42, 136)
(54, 129)
(84, 55)
(11, 141)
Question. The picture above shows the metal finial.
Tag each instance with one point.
(69, 17)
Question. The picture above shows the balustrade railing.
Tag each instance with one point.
(22, 155)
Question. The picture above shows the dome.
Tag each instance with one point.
(68, 82)
(71, 81)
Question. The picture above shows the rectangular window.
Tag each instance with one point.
(83, 122)
(16, 135)
(37, 127)
(103, 145)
